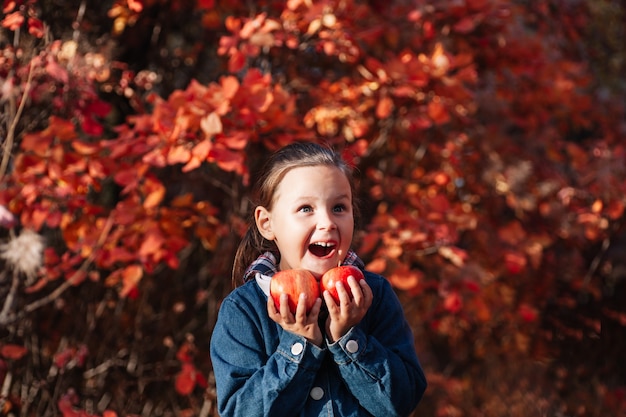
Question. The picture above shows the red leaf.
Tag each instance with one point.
(186, 379)
(515, 262)
(528, 313)
(35, 27)
(13, 351)
(91, 126)
(206, 4)
(438, 112)
(453, 302)
(152, 243)
(56, 71)
(465, 25)
(236, 62)
(38, 143)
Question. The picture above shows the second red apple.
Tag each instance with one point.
(339, 274)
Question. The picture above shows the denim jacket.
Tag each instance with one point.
(262, 370)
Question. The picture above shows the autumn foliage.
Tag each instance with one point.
(490, 143)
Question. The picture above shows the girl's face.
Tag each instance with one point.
(311, 220)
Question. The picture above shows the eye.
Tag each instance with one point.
(339, 208)
(305, 209)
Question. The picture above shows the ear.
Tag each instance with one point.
(263, 222)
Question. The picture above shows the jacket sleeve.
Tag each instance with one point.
(377, 358)
(251, 382)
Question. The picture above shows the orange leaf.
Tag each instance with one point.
(230, 86)
(236, 141)
(194, 162)
(85, 148)
(13, 21)
(227, 160)
(202, 149)
(438, 113)
(178, 155)
(135, 5)
(152, 243)
(61, 128)
(378, 265)
(384, 107)
(39, 143)
(131, 275)
(155, 191)
(406, 280)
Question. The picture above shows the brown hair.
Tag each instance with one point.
(295, 155)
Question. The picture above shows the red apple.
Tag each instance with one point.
(339, 274)
(293, 282)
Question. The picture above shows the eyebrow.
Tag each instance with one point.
(337, 197)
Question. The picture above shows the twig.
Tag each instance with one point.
(8, 144)
(207, 406)
(8, 302)
(5, 388)
(78, 21)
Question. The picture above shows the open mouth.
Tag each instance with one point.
(321, 249)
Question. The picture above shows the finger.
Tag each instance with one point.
(271, 307)
(284, 307)
(315, 310)
(368, 296)
(355, 289)
(342, 293)
(301, 308)
(329, 300)
(272, 311)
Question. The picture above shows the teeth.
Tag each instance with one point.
(324, 244)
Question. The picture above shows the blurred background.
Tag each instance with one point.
(489, 142)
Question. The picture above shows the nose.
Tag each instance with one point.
(325, 220)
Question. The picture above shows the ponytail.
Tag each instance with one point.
(251, 246)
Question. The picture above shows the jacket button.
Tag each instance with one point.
(352, 346)
(317, 393)
(297, 348)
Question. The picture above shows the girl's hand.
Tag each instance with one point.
(349, 312)
(299, 323)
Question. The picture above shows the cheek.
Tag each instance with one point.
(347, 231)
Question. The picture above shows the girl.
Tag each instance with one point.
(351, 358)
